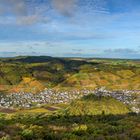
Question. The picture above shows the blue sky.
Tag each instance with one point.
(82, 28)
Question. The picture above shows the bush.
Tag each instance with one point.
(27, 134)
(136, 134)
(5, 138)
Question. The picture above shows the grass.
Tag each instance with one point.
(91, 105)
(46, 108)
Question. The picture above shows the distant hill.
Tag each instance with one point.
(29, 59)
(121, 79)
(69, 72)
(92, 105)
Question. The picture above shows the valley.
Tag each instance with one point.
(69, 98)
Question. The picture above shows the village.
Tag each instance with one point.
(50, 96)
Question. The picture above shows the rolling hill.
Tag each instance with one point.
(92, 105)
(49, 72)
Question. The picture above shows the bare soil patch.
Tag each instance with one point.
(7, 110)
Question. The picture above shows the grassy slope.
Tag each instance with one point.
(91, 105)
(101, 78)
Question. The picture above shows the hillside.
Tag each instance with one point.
(59, 73)
(121, 79)
(92, 105)
(28, 85)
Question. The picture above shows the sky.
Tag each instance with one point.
(70, 28)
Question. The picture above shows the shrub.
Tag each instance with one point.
(27, 133)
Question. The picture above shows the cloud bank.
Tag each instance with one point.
(34, 10)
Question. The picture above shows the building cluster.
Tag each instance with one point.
(49, 96)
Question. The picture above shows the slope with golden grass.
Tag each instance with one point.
(124, 79)
(28, 85)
